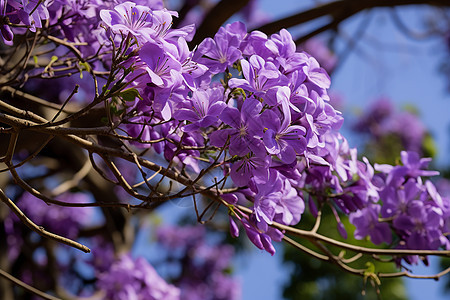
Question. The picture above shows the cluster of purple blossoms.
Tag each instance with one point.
(381, 120)
(21, 12)
(268, 123)
(271, 114)
(129, 278)
(204, 268)
(277, 113)
(410, 208)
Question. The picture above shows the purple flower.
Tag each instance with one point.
(234, 229)
(5, 31)
(250, 167)
(260, 75)
(129, 18)
(160, 65)
(135, 279)
(32, 12)
(202, 110)
(421, 225)
(290, 205)
(367, 224)
(283, 139)
(245, 129)
(259, 239)
(396, 200)
(316, 74)
(222, 51)
(413, 166)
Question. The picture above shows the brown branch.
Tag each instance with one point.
(339, 11)
(14, 92)
(69, 45)
(27, 287)
(39, 229)
(312, 236)
(216, 17)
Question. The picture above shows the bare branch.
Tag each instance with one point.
(27, 287)
(39, 229)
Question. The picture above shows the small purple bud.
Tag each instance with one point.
(230, 198)
(267, 242)
(234, 229)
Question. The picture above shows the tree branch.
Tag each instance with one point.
(39, 229)
(27, 287)
(338, 11)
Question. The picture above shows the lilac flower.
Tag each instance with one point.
(259, 239)
(250, 167)
(413, 166)
(193, 72)
(202, 110)
(129, 18)
(244, 131)
(283, 47)
(421, 226)
(367, 224)
(31, 12)
(234, 229)
(266, 201)
(396, 200)
(316, 74)
(187, 157)
(160, 65)
(222, 51)
(5, 31)
(135, 279)
(260, 75)
(290, 205)
(284, 140)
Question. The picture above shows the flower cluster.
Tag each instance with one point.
(204, 267)
(268, 123)
(381, 121)
(274, 118)
(248, 105)
(129, 278)
(411, 209)
(22, 12)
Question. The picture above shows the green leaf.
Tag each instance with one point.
(429, 146)
(130, 95)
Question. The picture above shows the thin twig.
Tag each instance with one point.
(27, 287)
(39, 229)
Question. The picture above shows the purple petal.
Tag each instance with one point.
(270, 142)
(185, 114)
(231, 116)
